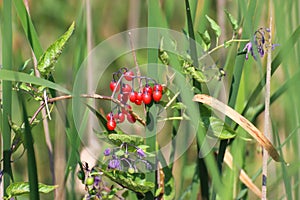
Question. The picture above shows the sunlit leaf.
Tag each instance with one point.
(135, 182)
(206, 40)
(49, 58)
(118, 139)
(196, 74)
(26, 78)
(218, 127)
(20, 188)
(232, 20)
(214, 26)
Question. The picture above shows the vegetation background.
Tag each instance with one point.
(98, 20)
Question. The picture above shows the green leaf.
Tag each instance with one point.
(206, 40)
(219, 128)
(49, 58)
(135, 182)
(20, 188)
(23, 77)
(169, 188)
(232, 20)
(118, 139)
(19, 134)
(101, 119)
(28, 27)
(214, 26)
(196, 74)
(179, 105)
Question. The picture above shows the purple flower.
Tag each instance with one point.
(107, 152)
(249, 48)
(141, 153)
(261, 42)
(97, 180)
(114, 164)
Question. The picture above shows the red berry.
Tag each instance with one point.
(130, 118)
(147, 98)
(113, 85)
(110, 116)
(157, 87)
(138, 102)
(139, 96)
(111, 125)
(123, 98)
(128, 75)
(132, 96)
(147, 89)
(120, 117)
(126, 88)
(157, 96)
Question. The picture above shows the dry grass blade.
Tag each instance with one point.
(243, 176)
(242, 121)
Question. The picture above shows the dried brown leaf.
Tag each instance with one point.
(242, 121)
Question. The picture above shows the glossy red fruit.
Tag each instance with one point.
(147, 89)
(113, 85)
(109, 116)
(157, 96)
(130, 118)
(147, 98)
(132, 96)
(128, 75)
(123, 98)
(120, 117)
(126, 89)
(158, 87)
(139, 96)
(111, 125)
(138, 102)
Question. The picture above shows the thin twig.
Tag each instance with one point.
(91, 96)
(138, 73)
(267, 115)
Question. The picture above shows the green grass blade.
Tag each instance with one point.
(286, 178)
(7, 75)
(153, 10)
(193, 49)
(28, 27)
(278, 93)
(6, 91)
(31, 161)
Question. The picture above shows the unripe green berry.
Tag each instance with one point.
(130, 170)
(89, 181)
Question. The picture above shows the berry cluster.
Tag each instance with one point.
(123, 85)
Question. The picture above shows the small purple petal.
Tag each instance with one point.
(140, 152)
(107, 152)
(114, 164)
(261, 51)
(97, 180)
(248, 47)
(274, 45)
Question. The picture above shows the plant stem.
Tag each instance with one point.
(267, 116)
(227, 43)
(92, 96)
(6, 92)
